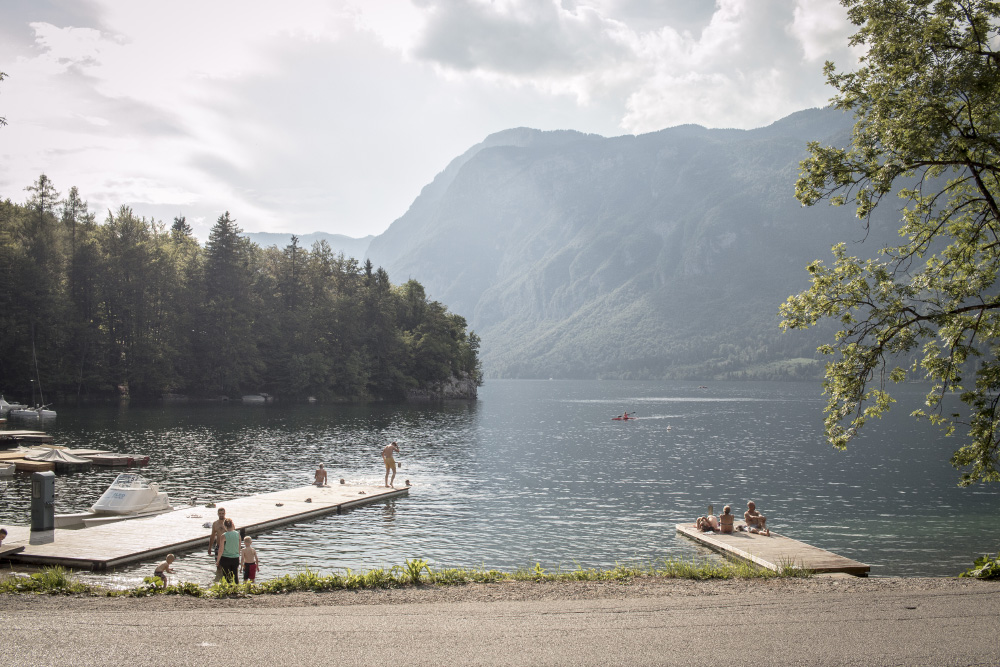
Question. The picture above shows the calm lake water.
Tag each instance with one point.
(536, 471)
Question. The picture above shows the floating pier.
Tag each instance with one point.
(774, 552)
(14, 438)
(114, 544)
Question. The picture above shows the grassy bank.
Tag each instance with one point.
(416, 572)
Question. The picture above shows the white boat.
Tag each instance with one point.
(251, 399)
(130, 496)
(6, 407)
(40, 412)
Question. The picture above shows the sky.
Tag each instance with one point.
(331, 115)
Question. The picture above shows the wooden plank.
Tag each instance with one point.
(10, 437)
(24, 465)
(775, 551)
(114, 544)
(10, 550)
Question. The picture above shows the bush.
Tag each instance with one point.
(984, 568)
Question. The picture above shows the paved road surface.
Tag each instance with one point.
(718, 625)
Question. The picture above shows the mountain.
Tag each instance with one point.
(351, 247)
(664, 255)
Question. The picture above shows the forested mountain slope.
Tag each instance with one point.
(663, 255)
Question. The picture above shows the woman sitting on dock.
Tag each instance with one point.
(228, 560)
(726, 520)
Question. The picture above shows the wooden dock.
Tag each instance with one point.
(14, 438)
(110, 545)
(775, 551)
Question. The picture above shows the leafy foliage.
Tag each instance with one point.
(926, 100)
(133, 307)
(985, 567)
(416, 572)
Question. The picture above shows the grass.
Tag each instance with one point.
(415, 572)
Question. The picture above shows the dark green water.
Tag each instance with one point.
(538, 472)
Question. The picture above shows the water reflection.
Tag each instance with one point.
(538, 472)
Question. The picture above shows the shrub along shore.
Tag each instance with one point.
(415, 572)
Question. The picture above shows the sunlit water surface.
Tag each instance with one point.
(537, 472)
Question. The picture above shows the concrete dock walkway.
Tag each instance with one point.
(110, 545)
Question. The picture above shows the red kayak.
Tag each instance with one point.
(622, 419)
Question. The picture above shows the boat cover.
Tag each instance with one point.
(54, 455)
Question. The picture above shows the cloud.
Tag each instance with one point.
(332, 114)
(745, 70)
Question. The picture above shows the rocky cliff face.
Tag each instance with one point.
(464, 387)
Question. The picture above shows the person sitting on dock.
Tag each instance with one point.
(390, 462)
(163, 568)
(228, 558)
(726, 519)
(248, 559)
(3, 535)
(755, 520)
(218, 528)
(320, 476)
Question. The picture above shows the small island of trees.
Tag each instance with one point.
(134, 307)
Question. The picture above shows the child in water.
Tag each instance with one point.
(248, 559)
(163, 568)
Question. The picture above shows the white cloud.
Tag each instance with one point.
(332, 114)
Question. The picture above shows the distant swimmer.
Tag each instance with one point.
(390, 462)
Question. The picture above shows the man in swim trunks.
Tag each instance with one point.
(390, 463)
(218, 528)
(320, 476)
(755, 520)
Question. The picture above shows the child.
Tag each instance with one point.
(161, 570)
(248, 559)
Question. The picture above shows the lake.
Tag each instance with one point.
(537, 472)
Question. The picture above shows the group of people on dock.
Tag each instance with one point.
(388, 459)
(235, 555)
(754, 521)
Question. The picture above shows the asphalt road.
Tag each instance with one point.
(718, 625)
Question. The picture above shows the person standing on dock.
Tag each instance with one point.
(218, 528)
(390, 462)
(228, 560)
(320, 476)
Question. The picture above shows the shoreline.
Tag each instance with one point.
(515, 591)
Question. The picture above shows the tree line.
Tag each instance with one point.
(136, 307)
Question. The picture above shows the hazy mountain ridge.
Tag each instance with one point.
(351, 247)
(660, 255)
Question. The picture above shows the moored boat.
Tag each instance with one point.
(64, 461)
(6, 407)
(39, 412)
(130, 496)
